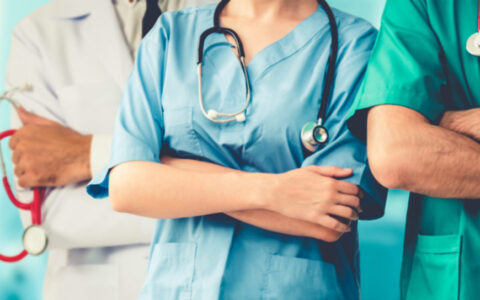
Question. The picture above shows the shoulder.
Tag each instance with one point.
(183, 24)
(354, 31)
(46, 18)
(187, 17)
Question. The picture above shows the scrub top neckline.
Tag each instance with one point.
(280, 49)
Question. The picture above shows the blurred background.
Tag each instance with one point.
(381, 241)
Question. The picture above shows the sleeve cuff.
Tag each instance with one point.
(422, 103)
(99, 152)
(98, 186)
(373, 205)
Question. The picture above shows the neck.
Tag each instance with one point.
(268, 10)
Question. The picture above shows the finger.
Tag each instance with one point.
(13, 141)
(333, 171)
(30, 118)
(344, 212)
(19, 171)
(16, 156)
(348, 200)
(333, 224)
(345, 187)
(25, 182)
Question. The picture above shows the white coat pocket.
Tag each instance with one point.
(88, 282)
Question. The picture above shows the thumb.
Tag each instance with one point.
(30, 118)
(333, 171)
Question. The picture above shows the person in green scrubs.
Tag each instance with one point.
(420, 100)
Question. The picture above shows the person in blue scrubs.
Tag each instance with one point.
(243, 212)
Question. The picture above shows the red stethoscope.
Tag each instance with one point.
(473, 42)
(34, 239)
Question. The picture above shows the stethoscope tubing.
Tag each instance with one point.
(38, 193)
(328, 83)
(241, 56)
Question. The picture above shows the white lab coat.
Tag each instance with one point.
(74, 54)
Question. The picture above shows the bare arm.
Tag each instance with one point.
(161, 191)
(466, 122)
(265, 219)
(407, 152)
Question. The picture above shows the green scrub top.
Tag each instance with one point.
(420, 62)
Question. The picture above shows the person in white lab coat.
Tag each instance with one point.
(77, 55)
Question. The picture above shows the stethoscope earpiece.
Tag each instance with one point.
(212, 114)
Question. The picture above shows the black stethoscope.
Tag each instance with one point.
(473, 43)
(313, 134)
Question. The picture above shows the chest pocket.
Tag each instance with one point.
(90, 108)
(180, 137)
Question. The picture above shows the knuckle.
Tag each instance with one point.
(356, 201)
(48, 179)
(330, 195)
(337, 225)
(20, 146)
(313, 216)
(330, 182)
(17, 172)
(332, 237)
(23, 183)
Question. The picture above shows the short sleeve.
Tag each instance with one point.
(139, 127)
(343, 149)
(405, 68)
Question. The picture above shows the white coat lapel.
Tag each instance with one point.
(108, 41)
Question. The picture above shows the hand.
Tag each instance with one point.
(313, 194)
(465, 122)
(46, 153)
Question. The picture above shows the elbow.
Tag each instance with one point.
(390, 168)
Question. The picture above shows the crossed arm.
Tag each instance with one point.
(300, 202)
(264, 218)
(407, 152)
(252, 205)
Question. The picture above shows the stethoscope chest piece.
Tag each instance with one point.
(314, 135)
(35, 240)
(473, 44)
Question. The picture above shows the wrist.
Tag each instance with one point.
(456, 121)
(81, 166)
(257, 190)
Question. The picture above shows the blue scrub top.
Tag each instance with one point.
(215, 256)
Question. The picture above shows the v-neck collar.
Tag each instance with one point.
(279, 50)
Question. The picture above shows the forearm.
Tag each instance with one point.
(264, 219)
(276, 222)
(72, 219)
(406, 152)
(161, 191)
(466, 122)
